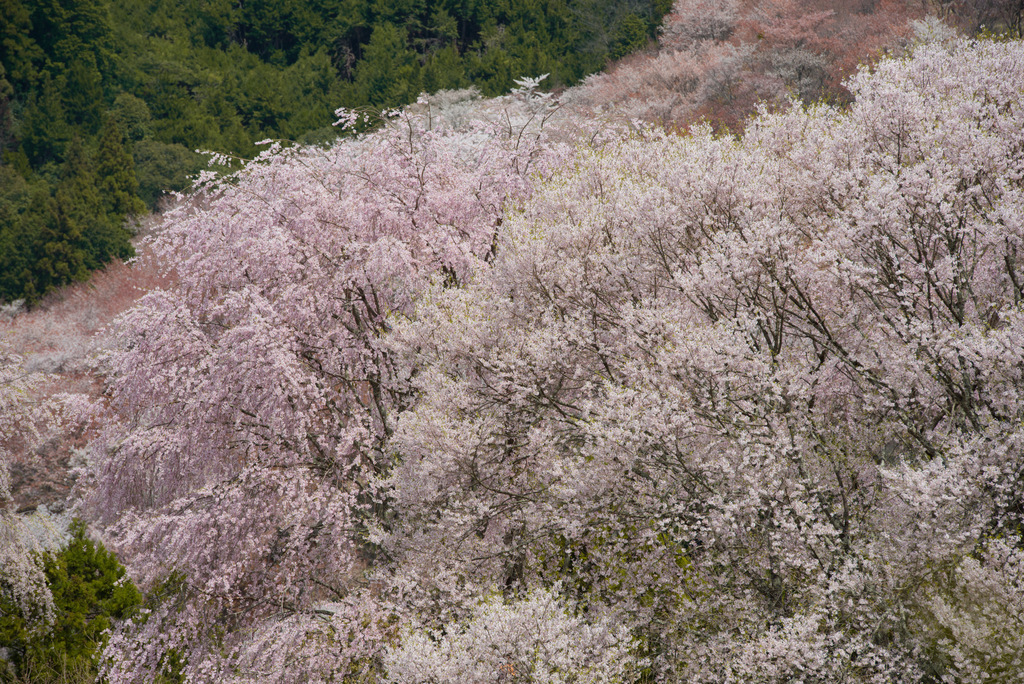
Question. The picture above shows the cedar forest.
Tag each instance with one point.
(603, 342)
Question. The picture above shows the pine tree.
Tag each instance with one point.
(631, 36)
(44, 129)
(6, 115)
(20, 53)
(83, 97)
(58, 250)
(444, 71)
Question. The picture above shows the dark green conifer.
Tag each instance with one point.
(44, 129)
(444, 71)
(389, 73)
(630, 36)
(58, 248)
(6, 115)
(89, 589)
(115, 171)
(80, 212)
(83, 96)
(20, 53)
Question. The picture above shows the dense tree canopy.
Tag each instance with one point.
(177, 77)
(765, 387)
(488, 391)
(361, 233)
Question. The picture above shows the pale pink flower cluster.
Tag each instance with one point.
(251, 402)
(22, 582)
(534, 639)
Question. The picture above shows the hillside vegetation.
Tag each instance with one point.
(103, 104)
(530, 389)
(640, 408)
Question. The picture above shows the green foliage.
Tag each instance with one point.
(444, 70)
(20, 51)
(132, 116)
(115, 172)
(44, 130)
(389, 71)
(163, 167)
(21, 204)
(90, 590)
(630, 37)
(83, 95)
(6, 115)
(59, 229)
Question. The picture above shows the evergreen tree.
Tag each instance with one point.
(491, 66)
(57, 257)
(389, 73)
(444, 71)
(115, 170)
(44, 129)
(14, 197)
(69, 31)
(630, 37)
(89, 590)
(20, 54)
(80, 215)
(6, 116)
(83, 96)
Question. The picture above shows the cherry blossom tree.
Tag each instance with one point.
(692, 21)
(474, 396)
(249, 403)
(533, 639)
(718, 60)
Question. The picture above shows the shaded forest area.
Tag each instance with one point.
(103, 104)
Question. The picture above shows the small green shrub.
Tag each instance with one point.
(90, 589)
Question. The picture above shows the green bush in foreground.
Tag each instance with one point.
(90, 589)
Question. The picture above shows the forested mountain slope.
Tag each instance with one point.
(103, 104)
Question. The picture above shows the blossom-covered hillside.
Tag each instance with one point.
(504, 391)
(717, 59)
